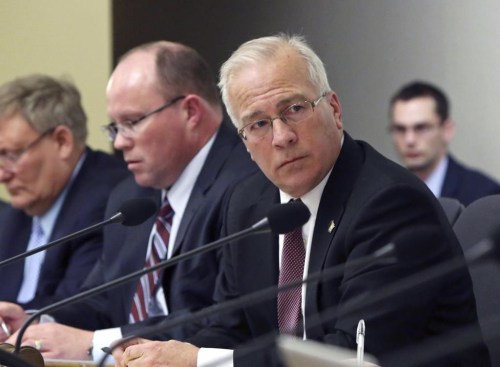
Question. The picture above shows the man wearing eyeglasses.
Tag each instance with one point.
(277, 94)
(57, 185)
(168, 122)
(421, 130)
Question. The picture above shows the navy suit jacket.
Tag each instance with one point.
(370, 199)
(465, 184)
(190, 284)
(65, 266)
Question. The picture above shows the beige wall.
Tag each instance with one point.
(70, 38)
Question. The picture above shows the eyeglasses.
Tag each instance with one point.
(127, 128)
(290, 116)
(420, 129)
(8, 159)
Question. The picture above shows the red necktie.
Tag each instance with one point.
(146, 286)
(292, 269)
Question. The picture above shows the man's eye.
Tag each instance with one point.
(422, 128)
(399, 129)
(294, 110)
(259, 124)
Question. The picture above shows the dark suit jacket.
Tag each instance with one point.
(467, 185)
(67, 265)
(370, 199)
(190, 284)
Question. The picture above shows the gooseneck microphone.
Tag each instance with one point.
(131, 213)
(397, 249)
(281, 219)
(403, 245)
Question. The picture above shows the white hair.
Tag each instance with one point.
(263, 49)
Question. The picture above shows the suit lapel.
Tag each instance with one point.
(15, 233)
(451, 179)
(263, 250)
(216, 158)
(331, 209)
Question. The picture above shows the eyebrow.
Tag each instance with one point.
(281, 104)
(419, 123)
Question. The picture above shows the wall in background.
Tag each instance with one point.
(60, 38)
(370, 49)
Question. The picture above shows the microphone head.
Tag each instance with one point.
(136, 211)
(285, 218)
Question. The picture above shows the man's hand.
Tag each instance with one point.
(12, 316)
(142, 352)
(57, 341)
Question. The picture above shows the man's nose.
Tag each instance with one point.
(121, 142)
(282, 132)
(5, 175)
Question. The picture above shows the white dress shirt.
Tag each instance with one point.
(178, 197)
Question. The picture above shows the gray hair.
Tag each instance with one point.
(262, 50)
(45, 103)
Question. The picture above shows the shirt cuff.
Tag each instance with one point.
(104, 338)
(215, 357)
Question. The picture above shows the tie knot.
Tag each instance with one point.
(166, 210)
(36, 227)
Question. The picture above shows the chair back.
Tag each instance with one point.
(477, 221)
(452, 208)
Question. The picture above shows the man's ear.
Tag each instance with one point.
(193, 108)
(65, 140)
(334, 102)
(448, 130)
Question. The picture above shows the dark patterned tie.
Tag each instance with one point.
(146, 286)
(292, 269)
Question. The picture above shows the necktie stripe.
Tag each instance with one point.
(147, 283)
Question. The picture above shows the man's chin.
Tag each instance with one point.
(26, 207)
(417, 168)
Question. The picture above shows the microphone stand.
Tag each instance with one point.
(253, 298)
(261, 227)
(117, 218)
(475, 254)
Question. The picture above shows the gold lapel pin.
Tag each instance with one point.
(331, 226)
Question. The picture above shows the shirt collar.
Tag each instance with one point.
(178, 195)
(436, 179)
(48, 219)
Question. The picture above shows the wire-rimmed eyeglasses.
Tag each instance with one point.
(8, 159)
(126, 128)
(290, 115)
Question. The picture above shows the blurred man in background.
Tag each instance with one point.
(421, 130)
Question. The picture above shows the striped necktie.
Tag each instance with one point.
(144, 294)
